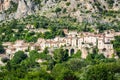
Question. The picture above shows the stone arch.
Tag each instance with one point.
(72, 51)
(67, 51)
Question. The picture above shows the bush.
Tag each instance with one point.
(68, 3)
(57, 10)
(18, 57)
(64, 10)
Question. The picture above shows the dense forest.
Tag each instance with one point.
(60, 66)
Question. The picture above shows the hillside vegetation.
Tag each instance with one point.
(53, 16)
(59, 67)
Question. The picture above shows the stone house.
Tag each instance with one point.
(72, 40)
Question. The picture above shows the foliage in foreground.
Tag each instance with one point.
(60, 67)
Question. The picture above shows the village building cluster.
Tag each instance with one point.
(73, 41)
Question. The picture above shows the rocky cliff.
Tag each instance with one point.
(82, 10)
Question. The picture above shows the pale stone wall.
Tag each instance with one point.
(74, 42)
(68, 41)
(100, 44)
(108, 46)
(80, 42)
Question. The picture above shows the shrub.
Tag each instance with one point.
(68, 3)
(57, 10)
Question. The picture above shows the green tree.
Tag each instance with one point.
(18, 57)
(77, 54)
(61, 33)
(45, 51)
(60, 55)
(57, 11)
(95, 50)
(99, 56)
(38, 75)
(103, 71)
(33, 55)
(51, 64)
(36, 24)
(13, 23)
(75, 64)
(60, 72)
(116, 45)
(48, 35)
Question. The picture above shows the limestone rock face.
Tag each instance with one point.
(80, 9)
(47, 5)
(4, 5)
(25, 7)
(2, 16)
(22, 9)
